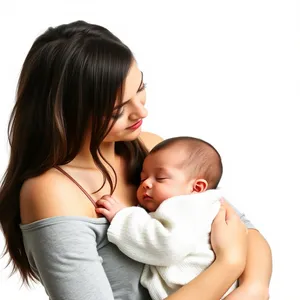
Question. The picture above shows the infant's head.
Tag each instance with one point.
(178, 166)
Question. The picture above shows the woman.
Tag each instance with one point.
(75, 135)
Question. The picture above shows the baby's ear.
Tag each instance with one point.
(200, 185)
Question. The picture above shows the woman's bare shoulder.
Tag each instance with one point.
(52, 194)
(150, 139)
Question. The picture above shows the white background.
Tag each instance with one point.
(225, 71)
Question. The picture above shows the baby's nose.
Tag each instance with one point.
(147, 184)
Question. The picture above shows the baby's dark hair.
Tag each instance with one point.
(202, 159)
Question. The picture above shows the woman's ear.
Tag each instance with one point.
(199, 186)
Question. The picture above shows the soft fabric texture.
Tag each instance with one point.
(74, 261)
(173, 241)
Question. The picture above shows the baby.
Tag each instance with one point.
(170, 231)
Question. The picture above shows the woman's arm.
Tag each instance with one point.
(64, 254)
(229, 242)
(259, 261)
(255, 280)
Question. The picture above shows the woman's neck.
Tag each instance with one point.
(85, 160)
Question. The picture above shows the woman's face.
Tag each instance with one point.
(128, 123)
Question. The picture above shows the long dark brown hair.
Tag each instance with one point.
(71, 79)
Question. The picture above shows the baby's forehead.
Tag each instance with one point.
(164, 158)
(170, 152)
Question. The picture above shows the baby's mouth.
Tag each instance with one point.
(147, 197)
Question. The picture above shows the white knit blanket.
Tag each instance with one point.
(173, 241)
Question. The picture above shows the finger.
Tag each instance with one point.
(221, 215)
(104, 203)
(102, 211)
(109, 199)
(106, 199)
(230, 212)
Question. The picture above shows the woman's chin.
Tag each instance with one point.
(125, 136)
(131, 136)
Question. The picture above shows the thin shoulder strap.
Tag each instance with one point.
(71, 178)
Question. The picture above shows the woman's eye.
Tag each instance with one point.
(118, 116)
(143, 87)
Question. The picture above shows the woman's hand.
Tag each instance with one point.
(229, 238)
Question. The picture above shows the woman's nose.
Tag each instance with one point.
(139, 111)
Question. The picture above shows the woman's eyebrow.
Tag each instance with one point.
(142, 81)
(141, 84)
(120, 105)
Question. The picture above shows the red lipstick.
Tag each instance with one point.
(136, 125)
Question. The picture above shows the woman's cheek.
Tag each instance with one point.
(117, 128)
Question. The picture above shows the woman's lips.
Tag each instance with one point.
(136, 125)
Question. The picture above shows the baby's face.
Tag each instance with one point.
(162, 178)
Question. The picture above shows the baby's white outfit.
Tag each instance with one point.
(173, 241)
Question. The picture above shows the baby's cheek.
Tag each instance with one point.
(175, 190)
(166, 192)
(139, 194)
